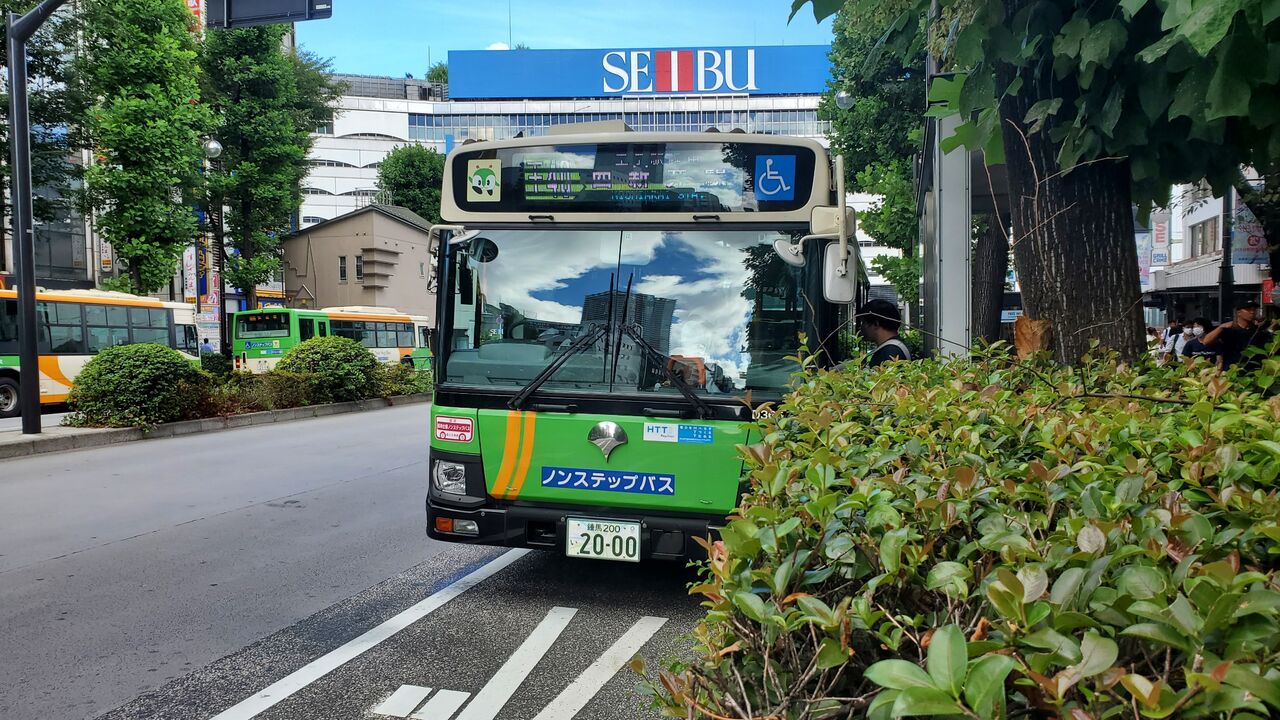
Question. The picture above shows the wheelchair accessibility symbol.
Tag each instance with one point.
(775, 177)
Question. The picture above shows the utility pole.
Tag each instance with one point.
(21, 28)
(1226, 272)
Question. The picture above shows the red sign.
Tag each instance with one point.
(454, 429)
(194, 7)
(1268, 290)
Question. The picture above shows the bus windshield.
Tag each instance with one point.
(718, 308)
(262, 325)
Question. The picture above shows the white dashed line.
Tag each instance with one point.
(575, 697)
(318, 668)
(504, 683)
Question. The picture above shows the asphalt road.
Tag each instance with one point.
(282, 572)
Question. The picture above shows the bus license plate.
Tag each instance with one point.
(603, 539)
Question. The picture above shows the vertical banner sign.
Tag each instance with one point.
(1144, 260)
(1160, 239)
(1268, 291)
(189, 274)
(1248, 243)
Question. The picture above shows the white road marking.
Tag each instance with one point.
(442, 705)
(318, 668)
(403, 701)
(503, 684)
(572, 699)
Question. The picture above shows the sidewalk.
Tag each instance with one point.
(58, 438)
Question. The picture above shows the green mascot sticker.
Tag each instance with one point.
(484, 180)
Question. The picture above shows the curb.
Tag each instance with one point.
(91, 438)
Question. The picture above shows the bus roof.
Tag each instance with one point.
(706, 179)
(96, 297)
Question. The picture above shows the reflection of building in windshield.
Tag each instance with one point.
(652, 314)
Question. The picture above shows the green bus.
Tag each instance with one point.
(613, 309)
(259, 338)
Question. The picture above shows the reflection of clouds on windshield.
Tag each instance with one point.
(542, 262)
(707, 171)
(546, 275)
(711, 313)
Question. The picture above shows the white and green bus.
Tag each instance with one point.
(259, 338)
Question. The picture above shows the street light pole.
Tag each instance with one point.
(1226, 272)
(21, 28)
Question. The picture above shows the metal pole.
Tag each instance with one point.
(21, 28)
(1226, 272)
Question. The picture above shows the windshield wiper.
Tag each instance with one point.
(704, 410)
(577, 346)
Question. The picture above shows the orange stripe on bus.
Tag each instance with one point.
(508, 453)
(49, 368)
(54, 398)
(526, 455)
(88, 300)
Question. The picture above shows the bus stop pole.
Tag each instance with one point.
(20, 30)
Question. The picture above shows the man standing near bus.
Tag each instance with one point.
(206, 346)
(878, 321)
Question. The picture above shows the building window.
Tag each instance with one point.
(422, 269)
(312, 219)
(331, 163)
(315, 191)
(1205, 238)
(359, 268)
(342, 268)
(325, 128)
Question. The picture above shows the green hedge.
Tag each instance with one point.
(136, 385)
(340, 368)
(992, 538)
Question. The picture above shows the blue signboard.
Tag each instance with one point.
(519, 74)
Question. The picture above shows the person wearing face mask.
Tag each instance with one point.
(1194, 347)
(1181, 339)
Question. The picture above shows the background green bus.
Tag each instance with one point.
(259, 338)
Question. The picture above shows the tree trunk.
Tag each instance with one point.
(1073, 239)
(990, 266)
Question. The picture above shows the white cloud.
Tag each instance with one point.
(498, 46)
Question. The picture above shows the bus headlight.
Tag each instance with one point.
(449, 477)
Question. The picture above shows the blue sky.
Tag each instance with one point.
(392, 37)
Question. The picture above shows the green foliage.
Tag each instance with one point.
(136, 385)
(139, 63)
(216, 364)
(54, 104)
(341, 369)
(266, 103)
(438, 73)
(1184, 89)
(991, 538)
(274, 390)
(901, 272)
(883, 126)
(401, 379)
(411, 177)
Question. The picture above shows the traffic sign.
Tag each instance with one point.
(246, 13)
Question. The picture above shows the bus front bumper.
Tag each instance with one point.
(662, 537)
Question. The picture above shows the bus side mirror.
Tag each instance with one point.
(838, 284)
(825, 220)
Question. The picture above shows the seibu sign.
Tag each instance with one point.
(617, 72)
(702, 71)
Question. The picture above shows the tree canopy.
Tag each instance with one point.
(411, 176)
(267, 102)
(146, 124)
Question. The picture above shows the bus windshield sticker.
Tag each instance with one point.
(484, 180)
(775, 177)
(454, 429)
(609, 480)
(673, 433)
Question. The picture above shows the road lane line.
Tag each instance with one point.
(572, 699)
(503, 684)
(318, 668)
(442, 706)
(403, 701)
